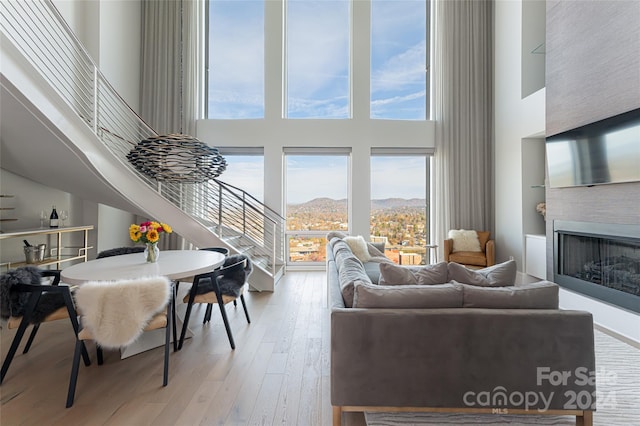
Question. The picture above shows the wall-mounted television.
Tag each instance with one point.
(607, 151)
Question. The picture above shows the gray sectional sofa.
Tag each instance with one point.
(482, 346)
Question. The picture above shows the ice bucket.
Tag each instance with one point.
(35, 254)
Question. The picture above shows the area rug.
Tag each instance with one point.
(618, 396)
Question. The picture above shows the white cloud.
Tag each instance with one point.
(403, 69)
(398, 99)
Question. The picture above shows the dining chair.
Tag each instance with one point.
(223, 285)
(114, 314)
(119, 251)
(25, 300)
(225, 252)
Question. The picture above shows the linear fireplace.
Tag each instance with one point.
(599, 260)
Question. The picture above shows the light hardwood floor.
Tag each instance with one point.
(278, 374)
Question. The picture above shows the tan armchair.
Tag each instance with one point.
(474, 259)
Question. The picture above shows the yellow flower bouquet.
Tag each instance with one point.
(149, 233)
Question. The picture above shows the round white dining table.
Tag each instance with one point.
(173, 264)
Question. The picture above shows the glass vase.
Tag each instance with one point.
(151, 252)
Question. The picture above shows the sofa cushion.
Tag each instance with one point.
(500, 275)
(350, 272)
(372, 269)
(407, 296)
(359, 247)
(376, 249)
(341, 251)
(391, 274)
(333, 241)
(464, 240)
(539, 295)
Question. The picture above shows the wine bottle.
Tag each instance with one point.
(26, 243)
(53, 219)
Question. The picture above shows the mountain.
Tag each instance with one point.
(319, 204)
(394, 203)
(331, 205)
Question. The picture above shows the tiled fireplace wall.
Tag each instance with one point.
(614, 204)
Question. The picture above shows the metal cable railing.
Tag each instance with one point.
(38, 30)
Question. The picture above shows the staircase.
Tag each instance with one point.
(83, 131)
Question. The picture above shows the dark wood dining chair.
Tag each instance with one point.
(116, 313)
(25, 301)
(222, 286)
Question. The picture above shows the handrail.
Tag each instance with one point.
(42, 35)
(275, 213)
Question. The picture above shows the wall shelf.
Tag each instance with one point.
(2, 209)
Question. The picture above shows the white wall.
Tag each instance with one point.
(120, 37)
(29, 198)
(113, 227)
(110, 32)
(515, 119)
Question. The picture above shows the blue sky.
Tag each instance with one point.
(317, 63)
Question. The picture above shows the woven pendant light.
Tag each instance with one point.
(177, 158)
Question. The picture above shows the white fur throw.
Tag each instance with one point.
(464, 240)
(359, 247)
(116, 312)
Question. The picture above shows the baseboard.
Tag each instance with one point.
(616, 335)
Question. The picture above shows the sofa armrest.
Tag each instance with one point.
(447, 357)
(448, 248)
(490, 252)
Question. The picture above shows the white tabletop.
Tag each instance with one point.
(173, 264)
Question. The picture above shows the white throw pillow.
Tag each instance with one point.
(359, 247)
(464, 240)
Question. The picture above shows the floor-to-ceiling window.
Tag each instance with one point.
(399, 59)
(317, 58)
(317, 188)
(400, 205)
(235, 65)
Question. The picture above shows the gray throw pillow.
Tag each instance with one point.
(350, 271)
(376, 249)
(372, 269)
(500, 275)
(391, 274)
(407, 296)
(539, 295)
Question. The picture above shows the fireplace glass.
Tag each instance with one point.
(612, 263)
